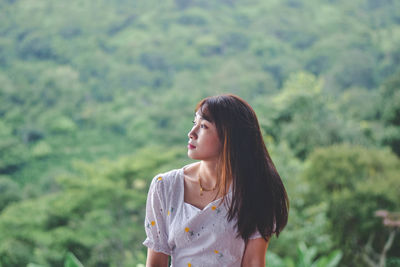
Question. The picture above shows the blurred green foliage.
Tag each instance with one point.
(354, 182)
(306, 257)
(70, 261)
(97, 97)
(97, 214)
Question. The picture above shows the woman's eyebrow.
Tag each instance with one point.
(201, 117)
(197, 115)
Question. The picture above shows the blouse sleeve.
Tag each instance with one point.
(155, 221)
(255, 235)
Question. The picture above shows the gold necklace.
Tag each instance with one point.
(202, 189)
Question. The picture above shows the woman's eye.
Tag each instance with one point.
(201, 125)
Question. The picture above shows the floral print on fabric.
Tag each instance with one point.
(193, 237)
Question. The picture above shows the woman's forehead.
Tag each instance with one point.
(200, 116)
(204, 113)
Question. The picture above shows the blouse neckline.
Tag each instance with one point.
(182, 183)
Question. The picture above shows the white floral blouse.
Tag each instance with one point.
(193, 237)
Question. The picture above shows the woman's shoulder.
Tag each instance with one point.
(170, 180)
(172, 175)
(167, 177)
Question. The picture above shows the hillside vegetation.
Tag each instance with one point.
(97, 97)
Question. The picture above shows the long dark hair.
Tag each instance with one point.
(259, 199)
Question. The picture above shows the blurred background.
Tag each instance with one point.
(97, 97)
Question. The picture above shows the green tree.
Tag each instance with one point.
(13, 154)
(97, 214)
(9, 191)
(355, 182)
(303, 117)
(390, 112)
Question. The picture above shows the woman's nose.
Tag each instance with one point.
(192, 133)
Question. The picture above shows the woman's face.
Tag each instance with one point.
(204, 143)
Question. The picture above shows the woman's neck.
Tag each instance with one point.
(207, 173)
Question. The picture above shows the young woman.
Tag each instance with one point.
(221, 210)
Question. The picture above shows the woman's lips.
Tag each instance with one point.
(190, 146)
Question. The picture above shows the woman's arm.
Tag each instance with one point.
(254, 253)
(156, 259)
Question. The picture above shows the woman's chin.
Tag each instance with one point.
(190, 155)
